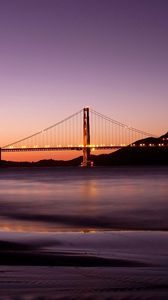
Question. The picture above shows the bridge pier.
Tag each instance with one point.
(86, 138)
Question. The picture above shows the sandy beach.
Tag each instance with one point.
(80, 265)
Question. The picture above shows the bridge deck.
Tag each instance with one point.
(77, 148)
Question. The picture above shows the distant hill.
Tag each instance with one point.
(149, 151)
(43, 163)
(151, 141)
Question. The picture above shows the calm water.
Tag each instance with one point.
(75, 199)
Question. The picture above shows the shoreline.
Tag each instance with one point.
(96, 266)
(103, 248)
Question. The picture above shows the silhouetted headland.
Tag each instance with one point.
(149, 151)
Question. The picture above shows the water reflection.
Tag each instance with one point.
(73, 199)
(89, 189)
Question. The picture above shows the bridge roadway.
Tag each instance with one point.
(78, 148)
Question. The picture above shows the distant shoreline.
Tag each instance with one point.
(122, 157)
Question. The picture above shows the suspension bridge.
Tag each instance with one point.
(86, 130)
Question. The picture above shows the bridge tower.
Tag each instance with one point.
(86, 137)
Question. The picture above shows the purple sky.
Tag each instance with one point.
(57, 56)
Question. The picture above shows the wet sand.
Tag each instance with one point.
(80, 265)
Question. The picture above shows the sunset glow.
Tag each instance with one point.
(110, 55)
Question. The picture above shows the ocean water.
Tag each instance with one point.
(78, 199)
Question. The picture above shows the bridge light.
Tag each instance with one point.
(93, 149)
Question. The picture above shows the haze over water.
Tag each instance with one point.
(76, 199)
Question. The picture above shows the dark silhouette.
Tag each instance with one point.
(149, 151)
